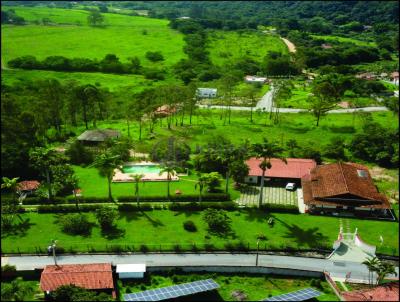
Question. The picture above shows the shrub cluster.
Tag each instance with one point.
(195, 206)
(110, 64)
(75, 224)
(67, 208)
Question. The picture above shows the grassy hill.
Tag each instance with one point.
(72, 37)
(227, 46)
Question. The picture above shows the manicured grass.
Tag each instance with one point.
(164, 228)
(256, 286)
(122, 36)
(94, 185)
(226, 47)
(344, 40)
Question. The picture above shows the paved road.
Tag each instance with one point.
(266, 101)
(359, 271)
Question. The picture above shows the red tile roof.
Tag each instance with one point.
(295, 167)
(341, 179)
(28, 185)
(386, 292)
(89, 276)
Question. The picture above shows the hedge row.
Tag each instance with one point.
(280, 208)
(82, 200)
(129, 207)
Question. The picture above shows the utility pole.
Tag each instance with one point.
(53, 247)
(258, 244)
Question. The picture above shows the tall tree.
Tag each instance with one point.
(137, 178)
(106, 163)
(266, 150)
(46, 160)
(202, 181)
(53, 102)
(169, 168)
(250, 93)
(324, 99)
(282, 92)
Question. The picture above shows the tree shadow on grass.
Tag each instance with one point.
(113, 233)
(155, 222)
(129, 216)
(18, 229)
(311, 237)
(256, 215)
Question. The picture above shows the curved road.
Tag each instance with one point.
(358, 271)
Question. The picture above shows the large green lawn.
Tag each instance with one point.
(345, 40)
(256, 287)
(226, 47)
(165, 228)
(94, 185)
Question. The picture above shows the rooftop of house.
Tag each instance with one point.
(294, 168)
(207, 90)
(385, 292)
(98, 135)
(28, 185)
(341, 179)
(89, 276)
(255, 79)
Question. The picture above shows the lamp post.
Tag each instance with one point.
(258, 244)
(53, 247)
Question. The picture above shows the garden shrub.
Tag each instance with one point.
(75, 224)
(177, 248)
(189, 226)
(218, 221)
(106, 217)
(143, 248)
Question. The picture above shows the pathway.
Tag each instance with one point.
(271, 195)
(358, 270)
(290, 45)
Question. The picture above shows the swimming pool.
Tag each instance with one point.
(141, 169)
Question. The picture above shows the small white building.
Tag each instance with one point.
(206, 92)
(254, 79)
(127, 271)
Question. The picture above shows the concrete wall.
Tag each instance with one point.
(130, 275)
(238, 269)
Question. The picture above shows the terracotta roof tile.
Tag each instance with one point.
(295, 167)
(386, 292)
(341, 180)
(89, 276)
(28, 185)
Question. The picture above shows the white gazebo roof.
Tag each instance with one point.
(131, 268)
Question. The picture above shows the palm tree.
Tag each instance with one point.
(384, 269)
(169, 169)
(266, 151)
(372, 264)
(10, 208)
(12, 185)
(106, 163)
(201, 183)
(137, 178)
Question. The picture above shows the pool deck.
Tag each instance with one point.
(120, 176)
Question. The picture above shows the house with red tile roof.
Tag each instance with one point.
(343, 187)
(385, 292)
(293, 170)
(28, 186)
(94, 276)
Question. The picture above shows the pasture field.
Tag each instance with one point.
(209, 123)
(226, 47)
(165, 228)
(122, 36)
(255, 286)
(344, 40)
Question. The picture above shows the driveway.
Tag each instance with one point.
(272, 195)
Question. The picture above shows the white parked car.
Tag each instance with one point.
(290, 186)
